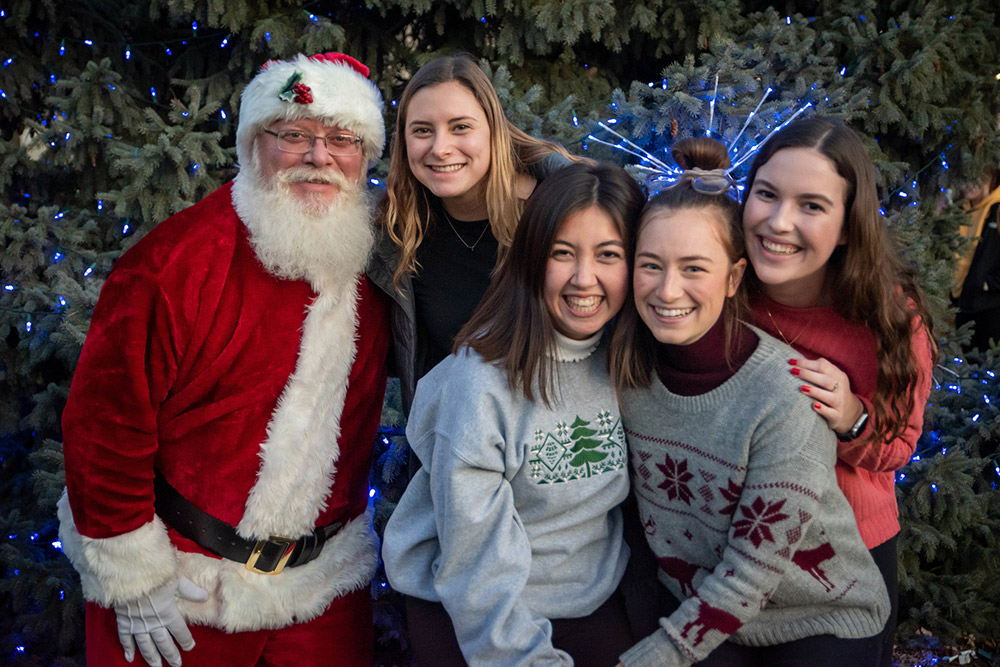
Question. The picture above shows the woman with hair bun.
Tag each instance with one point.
(758, 553)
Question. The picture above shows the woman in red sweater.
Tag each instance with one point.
(826, 280)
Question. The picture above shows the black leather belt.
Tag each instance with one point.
(268, 556)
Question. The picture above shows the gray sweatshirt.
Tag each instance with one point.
(513, 517)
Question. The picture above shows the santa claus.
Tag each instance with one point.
(218, 434)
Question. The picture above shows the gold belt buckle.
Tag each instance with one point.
(288, 545)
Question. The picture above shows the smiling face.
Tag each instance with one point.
(683, 274)
(586, 276)
(448, 147)
(794, 220)
(313, 178)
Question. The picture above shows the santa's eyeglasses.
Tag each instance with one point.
(299, 142)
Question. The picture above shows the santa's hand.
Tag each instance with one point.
(154, 623)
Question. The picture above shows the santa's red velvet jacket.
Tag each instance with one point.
(256, 397)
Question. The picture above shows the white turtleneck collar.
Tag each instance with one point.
(570, 349)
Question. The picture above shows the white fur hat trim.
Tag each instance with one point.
(339, 93)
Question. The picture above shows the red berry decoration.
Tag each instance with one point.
(303, 94)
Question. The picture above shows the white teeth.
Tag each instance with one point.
(446, 168)
(584, 303)
(672, 312)
(778, 248)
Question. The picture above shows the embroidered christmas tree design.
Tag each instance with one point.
(578, 450)
(584, 446)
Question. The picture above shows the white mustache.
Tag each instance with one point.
(302, 174)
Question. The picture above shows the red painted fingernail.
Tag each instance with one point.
(805, 388)
(792, 362)
(816, 406)
(795, 371)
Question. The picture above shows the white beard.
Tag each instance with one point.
(327, 244)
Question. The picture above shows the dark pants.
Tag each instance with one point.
(592, 641)
(886, 560)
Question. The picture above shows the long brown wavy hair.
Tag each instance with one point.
(512, 326)
(406, 209)
(633, 347)
(867, 281)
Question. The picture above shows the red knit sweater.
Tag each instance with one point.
(866, 474)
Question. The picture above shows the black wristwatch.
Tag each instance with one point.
(855, 430)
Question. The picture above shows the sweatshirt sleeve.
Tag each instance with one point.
(791, 462)
(485, 561)
(485, 555)
(894, 454)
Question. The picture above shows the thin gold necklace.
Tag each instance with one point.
(481, 234)
(789, 343)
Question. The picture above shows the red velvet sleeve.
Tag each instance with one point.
(894, 454)
(110, 420)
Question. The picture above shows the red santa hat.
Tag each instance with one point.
(330, 87)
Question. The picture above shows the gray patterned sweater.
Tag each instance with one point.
(513, 517)
(737, 493)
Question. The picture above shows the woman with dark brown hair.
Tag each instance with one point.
(508, 540)
(825, 278)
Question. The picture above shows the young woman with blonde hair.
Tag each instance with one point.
(458, 178)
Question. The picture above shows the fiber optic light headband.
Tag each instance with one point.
(709, 181)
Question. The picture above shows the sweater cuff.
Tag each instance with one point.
(120, 568)
(656, 650)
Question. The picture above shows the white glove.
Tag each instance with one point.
(151, 620)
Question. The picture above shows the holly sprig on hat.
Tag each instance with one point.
(296, 91)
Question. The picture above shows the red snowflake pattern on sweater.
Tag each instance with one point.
(757, 519)
(732, 494)
(676, 476)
